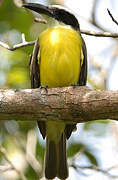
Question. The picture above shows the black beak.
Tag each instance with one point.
(39, 8)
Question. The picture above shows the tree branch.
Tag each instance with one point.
(79, 104)
(17, 46)
(100, 34)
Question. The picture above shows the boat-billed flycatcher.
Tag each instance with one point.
(62, 61)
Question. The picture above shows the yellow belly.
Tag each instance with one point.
(60, 57)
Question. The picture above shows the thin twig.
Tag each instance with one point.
(17, 46)
(94, 11)
(116, 22)
(95, 168)
(3, 151)
(106, 171)
(5, 168)
(93, 16)
(31, 150)
(40, 20)
(23, 38)
(77, 155)
(100, 34)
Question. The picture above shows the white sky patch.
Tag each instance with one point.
(113, 79)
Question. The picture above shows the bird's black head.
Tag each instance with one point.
(65, 16)
(57, 12)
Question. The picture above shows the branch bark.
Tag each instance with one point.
(79, 104)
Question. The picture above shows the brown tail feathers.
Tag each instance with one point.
(55, 159)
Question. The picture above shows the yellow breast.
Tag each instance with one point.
(60, 56)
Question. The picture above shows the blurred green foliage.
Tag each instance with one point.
(14, 73)
(14, 65)
(12, 17)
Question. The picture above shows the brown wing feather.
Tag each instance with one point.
(34, 67)
(83, 73)
(35, 80)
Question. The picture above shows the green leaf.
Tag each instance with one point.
(40, 150)
(91, 158)
(75, 148)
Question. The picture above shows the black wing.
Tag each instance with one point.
(34, 67)
(35, 79)
(83, 72)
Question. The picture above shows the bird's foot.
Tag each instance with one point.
(74, 85)
(44, 87)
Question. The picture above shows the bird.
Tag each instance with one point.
(61, 61)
